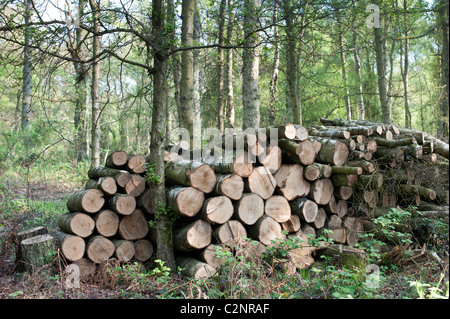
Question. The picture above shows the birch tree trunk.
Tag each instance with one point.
(250, 69)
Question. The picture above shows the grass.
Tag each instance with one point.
(241, 275)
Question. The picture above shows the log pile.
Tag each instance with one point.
(325, 177)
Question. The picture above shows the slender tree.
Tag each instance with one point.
(229, 67)
(27, 81)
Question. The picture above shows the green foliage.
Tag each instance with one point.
(150, 175)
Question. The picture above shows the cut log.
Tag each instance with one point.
(316, 170)
(265, 230)
(196, 235)
(79, 224)
(230, 185)
(122, 204)
(424, 192)
(191, 173)
(333, 221)
(36, 252)
(106, 222)
(347, 170)
(331, 207)
(330, 133)
(304, 150)
(120, 176)
(136, 164)
(208, 255)
(342, 208)
(287, 131)
(271, 158)
(249, 208)
(343, 192)
(261, 182)
(217, 210)
(292, 225)
(332, 152)
(373, 181)
(186, 201)
(321, 191)
(366, 166)
(230, 232)
(290, 181)
(99, 249)
(106, 184)
(301, 132)
(338, 235)
(72, 247)
(278, 208)
(344, 255)
(36, 231)
(89, 201)
(144, 201)
(143, 250)
(344, 179)
(117, 159)
(124, 249)
(195, 268)
(135, 185)
(133, 226)
(306, 209)
(86, 267)
(320, 219)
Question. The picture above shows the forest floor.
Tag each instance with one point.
(26, 205)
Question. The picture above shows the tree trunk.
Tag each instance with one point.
(89, 201)
(249, 208)
(344, 68)
(229, 73)
(275, 65)
(221, 67)
(36, 251)
(27, 69)
(133, 226)
(381, 71)
(250, 68)
(78, 224)
(443, 129)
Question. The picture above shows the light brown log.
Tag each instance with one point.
(332, 152)
(317, 170)
(321, 191)
(122, 204)
(133, 226)
(377, 127)
(242, 165)
(230, 232)
(291, 182)
(191, 173)
(331, 207)
(320, 219)
(136, 164)
(106, 184)
(209, 256)
(186, 201)
(249, 208)
(265, 230)
(342, 207)
(330, 133)
(394, 143)
(89, 201)
(144, 201)
(86, 267)
(217, 210)
(271, 158)
(292, 225)
(196, 235)
(72, 247)
(278, 208)
(395, 153)
(124, 249)
(370, 197)
(117, 159)
(287, 131)
(333, 221)
(343, 192)
(354, 130)
(79, 224)
(195, 268)
(135, 186)
(306, 209)
(304, 150)
(143, 250)
(99, 248)
(106, 222)
(261, 182)
(338, 235)
(367, 167)
(230, 185)
(121, 176)
(301, 132)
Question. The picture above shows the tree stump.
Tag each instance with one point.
(36, 252)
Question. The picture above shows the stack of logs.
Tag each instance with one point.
(326, 177)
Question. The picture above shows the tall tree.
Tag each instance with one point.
(443, 16)
(344, 65)
(276, 63)
(220, 67)
(27, 82)
(405, 67)
(250, 67)
(229, 67)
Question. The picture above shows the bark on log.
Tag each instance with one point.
(186, 201)
(321, 191)
(195, 268)
(260, 182)
(121, 176)
(117, 159)
(290, 181)
(122, 204)
(330, 133)
(144, 201)
(133, 226)
(366, 166)
(306, 209)
(348, 170)
(304, 150)
(40, 230)
(106, 184)
(240, 163)
(278, 208)
(191, 173)
(230, 185)
(265, 230)
(230, 232)
(287, 131)
(79, 224)
(344, 180)
(249, 208)
(106, 222)
(143, 250)
(332, 152)
(89, 201)
(99, 248)
(426, 193)
(217, 210)
(196, 235)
